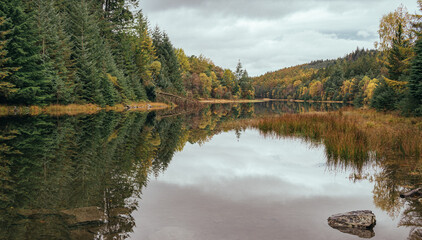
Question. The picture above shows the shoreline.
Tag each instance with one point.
(309, 101)
(266, 100)
(235, 100)
(77, 109)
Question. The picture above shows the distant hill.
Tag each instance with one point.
(321, 79)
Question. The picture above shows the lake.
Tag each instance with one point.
(187, 175)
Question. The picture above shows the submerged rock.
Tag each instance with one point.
(364, 219)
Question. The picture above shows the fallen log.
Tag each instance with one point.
(414, 193)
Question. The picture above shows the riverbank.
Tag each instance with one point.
(76, 109)
(234, 100)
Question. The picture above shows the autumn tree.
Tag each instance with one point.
(389, 26)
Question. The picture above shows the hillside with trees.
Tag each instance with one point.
(99, 52)
(388, 78)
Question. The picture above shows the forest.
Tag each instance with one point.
(106, 53)
(99, 52)
(388, 78)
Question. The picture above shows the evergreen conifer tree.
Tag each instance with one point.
(6, 88)
(56, 50)
(170, 77)
(415, 80)
(172, 63)
(86, 51)
(24, 53)
(398, 59)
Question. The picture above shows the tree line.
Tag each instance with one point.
(101, 52)
(387, 78)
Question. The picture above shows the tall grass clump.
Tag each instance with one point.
(351, 138)
(344, 141)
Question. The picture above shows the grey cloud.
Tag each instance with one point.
(239, 8)
(260, 9)
(270, 34)
(352, 35)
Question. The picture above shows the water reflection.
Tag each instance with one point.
(86, 177)
(258, 190)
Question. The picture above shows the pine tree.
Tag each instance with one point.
(415, 80)
(170, 77)
(172, 65)
(6, 88)
(145, 54)
(398, 57)
(87, 51)
(24, 53)
(161, 80)
(56, 50)
(103, 79)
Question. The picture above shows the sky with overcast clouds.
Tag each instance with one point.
(267, 35)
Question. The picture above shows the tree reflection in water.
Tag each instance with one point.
(82, 177)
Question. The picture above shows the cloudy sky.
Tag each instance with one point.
(267, 35)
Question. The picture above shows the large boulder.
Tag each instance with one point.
(356, 219)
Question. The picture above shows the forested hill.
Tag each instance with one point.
(97, 51)
(388, 78)
(322, 80)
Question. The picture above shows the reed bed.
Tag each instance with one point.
(352, 138)
(350, 132)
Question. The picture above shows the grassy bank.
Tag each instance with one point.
(76, 109)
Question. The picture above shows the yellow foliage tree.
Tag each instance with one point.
(183, 61)
(347, 87)
(369, 90)
(389, 26)
(206, 83)
(315, 89)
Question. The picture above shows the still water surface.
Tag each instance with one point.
(171, 175)
(253, 188)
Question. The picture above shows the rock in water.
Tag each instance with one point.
(356, 219)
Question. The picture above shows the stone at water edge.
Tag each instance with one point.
(364, 219)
